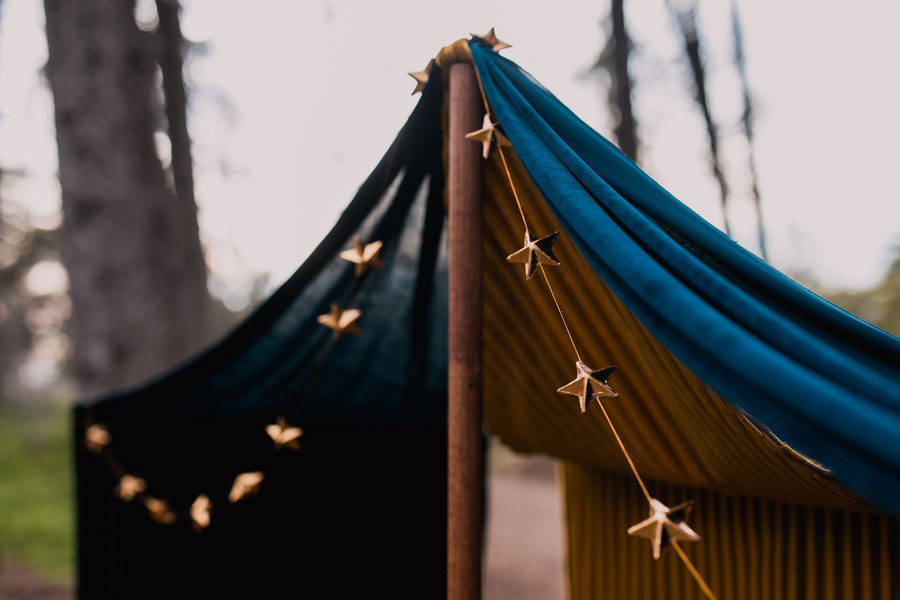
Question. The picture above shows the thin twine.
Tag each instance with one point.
(693, 570)
(625, 452)
(511, 185)
(561, 316)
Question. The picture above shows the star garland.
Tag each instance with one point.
(340, 321)
(421, 78)
(589, 384)
(665, 526)
(99, 440)
(490, 39)
(535, 253)
(488, 135)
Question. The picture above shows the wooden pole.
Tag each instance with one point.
(464, 443)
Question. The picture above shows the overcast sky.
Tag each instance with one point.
(294, 103)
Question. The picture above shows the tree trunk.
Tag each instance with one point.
(139, 299)
(626, 128)
(171, 63)
(687, 20)
(613, 60)
(747, 126)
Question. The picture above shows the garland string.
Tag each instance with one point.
(701, 582)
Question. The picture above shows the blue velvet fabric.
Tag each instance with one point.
(823, 381)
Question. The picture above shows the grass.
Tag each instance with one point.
(36, 491)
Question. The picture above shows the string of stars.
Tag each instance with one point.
(98, 438)
(665, 526)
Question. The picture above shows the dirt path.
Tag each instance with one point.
(18, 583)
(524, 538)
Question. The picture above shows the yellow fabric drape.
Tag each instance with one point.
(752, 548)
(675, 427)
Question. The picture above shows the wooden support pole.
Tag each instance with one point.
(464, 443)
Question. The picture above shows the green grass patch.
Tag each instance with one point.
(37, 525)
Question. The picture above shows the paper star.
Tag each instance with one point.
(490, 39)
(363, 255)
(534, 253)
(96, 438)
(421, 77)
(486, 135)
(341, 321)
(200, 512)
(283, 435)
(159, 510)
(245, 484)
(665, 525)
(589, 383)
(129, 487)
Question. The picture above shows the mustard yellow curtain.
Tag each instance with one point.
(774, 525)
(752, 548)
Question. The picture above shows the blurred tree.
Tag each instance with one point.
(747, 125)
(130, 242)
(613, 61)
(880, 305)
(14, 335)
(16, 254)
(27, 315)
(686, 15)
(171, 62)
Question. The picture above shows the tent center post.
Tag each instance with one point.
(465, 370)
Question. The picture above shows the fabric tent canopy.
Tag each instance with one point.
(718, 353)
(825, 382)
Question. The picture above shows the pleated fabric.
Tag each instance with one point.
(751, 548)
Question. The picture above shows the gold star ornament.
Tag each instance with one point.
(588, 384)
(363, 255)
(486, 135)
(200, 512)
(490, 39)
(340, 321)
(665, 525)
(159, 510)
(129, 487)
(534, 253)
(283, 435)
(96, 438)
(245, 484)
(421, 78)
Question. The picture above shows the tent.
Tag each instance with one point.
(776, 413)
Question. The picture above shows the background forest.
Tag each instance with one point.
(110, 274)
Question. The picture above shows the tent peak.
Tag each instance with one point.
(456, 52)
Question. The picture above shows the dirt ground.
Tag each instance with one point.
(18, 583)
(525, 532)
(523, 540)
